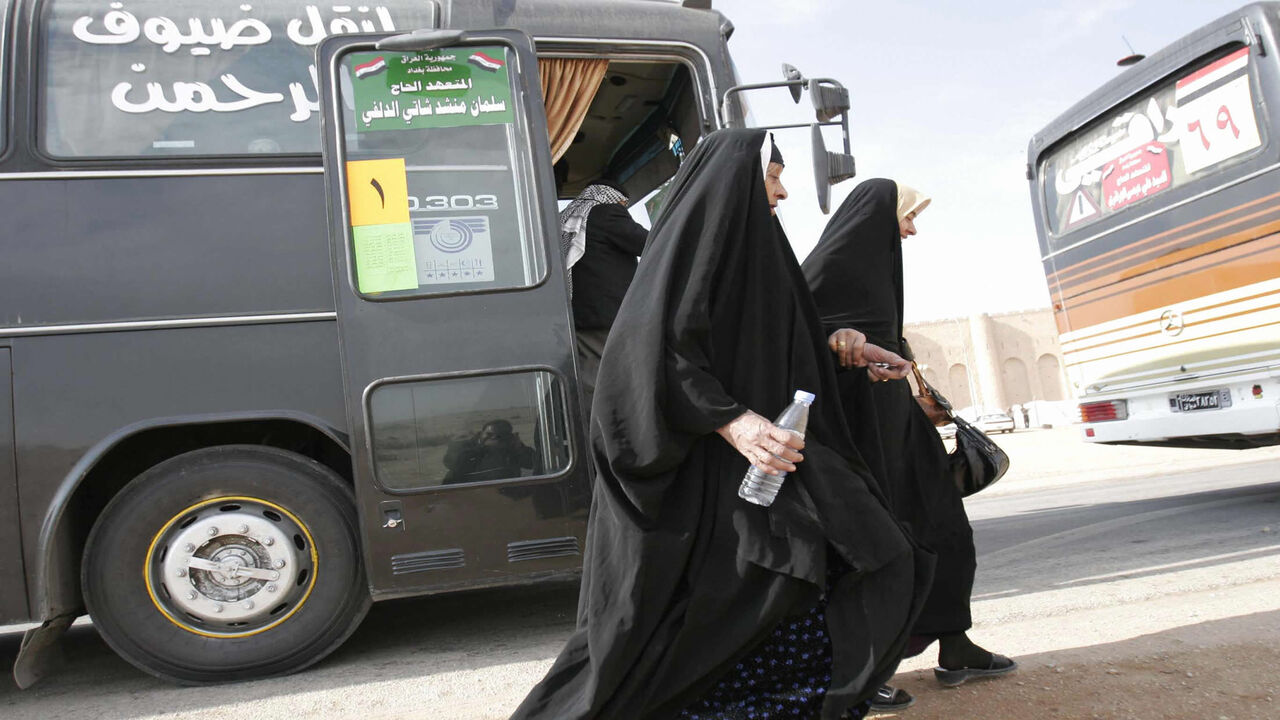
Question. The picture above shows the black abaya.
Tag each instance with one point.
(855, 274)
(682, 578)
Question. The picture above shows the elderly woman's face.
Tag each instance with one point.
(773, 187)
(907, 226)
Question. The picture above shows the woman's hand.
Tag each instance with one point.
(848, 345)
(764, 444)
(885, 365)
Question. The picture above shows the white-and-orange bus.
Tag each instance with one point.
(1157, 204)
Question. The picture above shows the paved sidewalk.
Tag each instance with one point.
(1058, 457)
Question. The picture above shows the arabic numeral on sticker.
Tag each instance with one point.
(462, 202)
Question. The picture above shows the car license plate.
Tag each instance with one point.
(1194, 402)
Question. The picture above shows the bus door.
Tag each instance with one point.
(453, 314)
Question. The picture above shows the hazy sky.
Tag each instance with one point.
(945, 97)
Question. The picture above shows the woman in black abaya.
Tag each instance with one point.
(855, 273)
(687, 590)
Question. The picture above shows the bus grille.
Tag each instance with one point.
(539, 549)
(428, 560)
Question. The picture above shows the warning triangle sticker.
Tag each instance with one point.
(1083, 207)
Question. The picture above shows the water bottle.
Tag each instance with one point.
(760, 487)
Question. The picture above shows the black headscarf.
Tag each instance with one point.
(855, 271)
(681, 576)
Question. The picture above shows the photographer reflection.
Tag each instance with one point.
(494, 453)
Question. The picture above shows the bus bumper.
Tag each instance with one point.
(1151, 419)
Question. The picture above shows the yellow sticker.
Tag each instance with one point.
(378, 191)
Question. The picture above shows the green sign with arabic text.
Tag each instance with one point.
(448, 87)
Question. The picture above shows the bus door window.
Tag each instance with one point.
(193, 77)
(467, 430)
(432, 153)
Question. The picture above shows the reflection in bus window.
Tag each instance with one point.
(432, 157)
(1196, 123)
(193, 77)
(465, 430)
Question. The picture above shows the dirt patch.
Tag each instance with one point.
(1229, 682)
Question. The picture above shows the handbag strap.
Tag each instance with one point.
(922, 386)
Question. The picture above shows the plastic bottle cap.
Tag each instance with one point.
(805, 397)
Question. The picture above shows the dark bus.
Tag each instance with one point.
(284, 325)
(1157, 202)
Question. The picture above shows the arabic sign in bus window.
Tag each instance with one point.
(193, 77)
(1191, 126)
(434, 88)
(467, 430)
(432, 160)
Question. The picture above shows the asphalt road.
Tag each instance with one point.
(1042, 553)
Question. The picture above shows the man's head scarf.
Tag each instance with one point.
(573, 221)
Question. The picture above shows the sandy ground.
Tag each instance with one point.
(1146, 653)
(1186, 656)
(1191, 629)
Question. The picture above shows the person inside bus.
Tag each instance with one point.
(696, 603)
(601, 243)
(855, 274)
(494, 453)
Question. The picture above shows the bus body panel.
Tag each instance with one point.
(1175, 294)
(13, 593)
(214, 246)
(75, 390)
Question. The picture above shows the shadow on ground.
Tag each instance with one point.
(400, 639)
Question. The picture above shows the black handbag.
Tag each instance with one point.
(977, 462)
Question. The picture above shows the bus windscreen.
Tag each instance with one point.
(1191, 125)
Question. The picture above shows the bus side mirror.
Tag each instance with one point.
(829, 100)
(829, 168)
(795, 80)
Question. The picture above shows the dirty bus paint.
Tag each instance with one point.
(1156, 205)
(231, 433)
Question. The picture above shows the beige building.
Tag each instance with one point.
(992, 361)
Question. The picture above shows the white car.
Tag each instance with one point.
(995, 422)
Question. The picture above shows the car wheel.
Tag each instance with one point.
(227, 563)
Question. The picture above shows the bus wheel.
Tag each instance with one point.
(228, 563)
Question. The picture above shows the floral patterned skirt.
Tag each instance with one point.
(786, 676)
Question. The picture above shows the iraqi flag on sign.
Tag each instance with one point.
(373, 67)
(1212, 77)
(488, 63)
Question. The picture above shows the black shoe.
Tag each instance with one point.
(1000, 665)
(889, 699)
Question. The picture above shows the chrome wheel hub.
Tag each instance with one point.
(230, 567)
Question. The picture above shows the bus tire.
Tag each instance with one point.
(228, 563)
